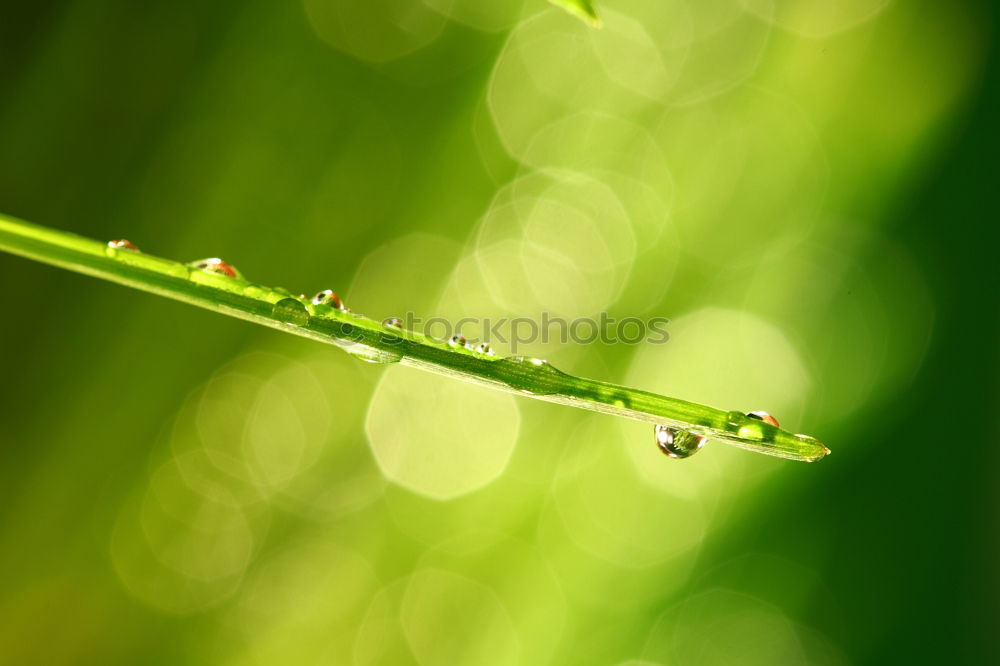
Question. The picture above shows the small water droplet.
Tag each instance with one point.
(765, 417)
(393, 322)
(291, 311)
(328, 298)
(484, 349)
(216, 266)
(122, 244)
(677, 443)
(457, 341)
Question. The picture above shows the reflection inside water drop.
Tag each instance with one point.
(485, 349)
(393, 322)
(457, 341)
(677, 443)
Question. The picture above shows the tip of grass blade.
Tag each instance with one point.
(821, 450)
(582, 9)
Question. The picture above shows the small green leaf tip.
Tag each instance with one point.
(582, 9)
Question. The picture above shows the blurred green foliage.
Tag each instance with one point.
(794, 183)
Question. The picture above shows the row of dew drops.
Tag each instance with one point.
(672, 441)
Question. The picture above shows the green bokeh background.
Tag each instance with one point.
(800, 187)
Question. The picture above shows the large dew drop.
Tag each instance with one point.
(677, 443)
(291, 311)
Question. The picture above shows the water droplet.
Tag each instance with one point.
(745, 427)
(393, 322)
(329, 299)
(122, 244)
(291, 311)
(765, 417)
(457, 341)
(677, 443)
(485, 349)
(216, 266)
(114, 246)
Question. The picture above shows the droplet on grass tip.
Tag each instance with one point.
(484, 349)
(677, 443)
(457, 341)
(393, 322)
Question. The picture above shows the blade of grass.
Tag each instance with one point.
(374, 341)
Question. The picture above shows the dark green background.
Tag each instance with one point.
(888, 549)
